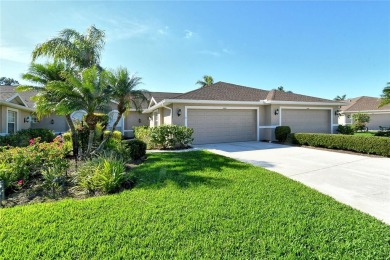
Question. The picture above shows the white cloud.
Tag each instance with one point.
(188, 34)
(211, 53)
(164, 30)
(15, 54)
(122, 28)
(227, 51)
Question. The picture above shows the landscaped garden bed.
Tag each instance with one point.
(195, 205)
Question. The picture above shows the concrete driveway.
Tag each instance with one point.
(359, 181)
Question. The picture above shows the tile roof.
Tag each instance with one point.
(226, 92)
(230, 92)
(288, 96)
(9, 91)
(364, 103)
(159, 96)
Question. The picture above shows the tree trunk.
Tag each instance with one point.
(100, 147)
(90, 141)
(75, 141)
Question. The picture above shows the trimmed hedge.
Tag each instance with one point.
(165, 136)
(282, 132)
(137, 149)
(362, 144)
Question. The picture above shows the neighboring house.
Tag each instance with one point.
(226, 112)
(17, 113)
(14, 110)
(379, 116)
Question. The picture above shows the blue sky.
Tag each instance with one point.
(317, 48)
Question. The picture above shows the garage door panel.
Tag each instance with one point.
(218, 126)
(307, 120)
(377, 120)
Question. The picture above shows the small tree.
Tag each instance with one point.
(360, 121)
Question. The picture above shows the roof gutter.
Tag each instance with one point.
(16, 106)
(276, 102)
(167, 102)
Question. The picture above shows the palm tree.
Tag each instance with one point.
(340, 98)
(125, 93)
(48, 101)
(90, 91)
(385, 96)
(207, 81)
(281, 88)
(81, 50)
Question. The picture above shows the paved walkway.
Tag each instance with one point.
(359, 181)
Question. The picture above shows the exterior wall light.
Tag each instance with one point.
(52, 121)
(277, 111)
(27, 119)
(179, 112)
(139, 120)
(337, 112)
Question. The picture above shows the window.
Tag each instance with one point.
(12, 121)
(112, 116)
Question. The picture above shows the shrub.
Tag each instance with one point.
(362, 144)
(282, 132)
(143, 133)
(345, 130)
(137, 149)
(383, 133)
(54, 177)
(360, 121)
(103, 175)
(22, 137)
(20, 163)
(165, 136)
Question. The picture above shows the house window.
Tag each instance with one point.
(12, 121)
(112, 116)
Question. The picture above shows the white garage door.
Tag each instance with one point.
(307, 120)
(377, 120)
(222, 125)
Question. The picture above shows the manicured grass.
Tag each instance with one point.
(195, 205)
(364, 133)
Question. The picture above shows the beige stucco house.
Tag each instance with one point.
(225, 112)
(379, 116)
(14, 110)
(17, 113)
(222, 112)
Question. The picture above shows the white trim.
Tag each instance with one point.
(229, 102)
(166, 102)
(77, 111)
(152, 100)
(368, 112)
(170, 112)
(267, 126)
(309, 108)
(276, 102)
(17, 119)
(221, 108)
(15, 96)
(16, 106)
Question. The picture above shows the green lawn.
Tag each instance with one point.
(365, 133)
(195, 205)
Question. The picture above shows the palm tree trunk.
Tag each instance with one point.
(90, 140)
(75, 141)
(100, 147)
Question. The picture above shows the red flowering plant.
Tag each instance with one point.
(19, 164)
